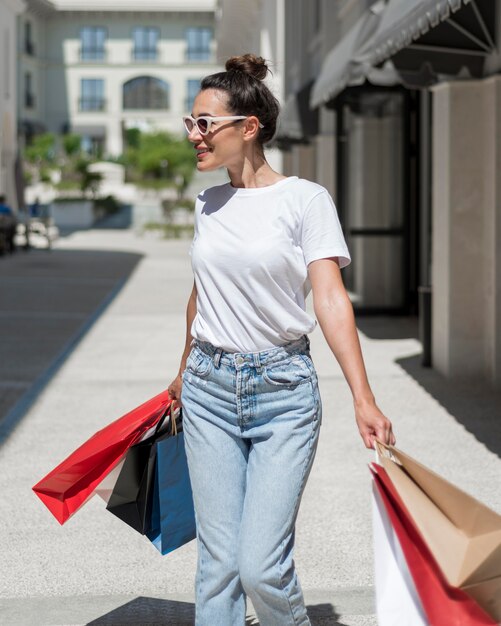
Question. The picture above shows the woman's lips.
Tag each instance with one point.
(202, 153)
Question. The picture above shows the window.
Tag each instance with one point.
(29, 98)
(92, 40)
(198, 44)
(29, 48)
(145, 43)
(145, 92)
(192, 88)
(93, 146)
(92, 94)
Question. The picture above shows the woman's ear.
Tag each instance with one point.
(251, 128)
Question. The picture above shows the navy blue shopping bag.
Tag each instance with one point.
(172, 522)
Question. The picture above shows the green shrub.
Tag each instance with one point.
(108, 205)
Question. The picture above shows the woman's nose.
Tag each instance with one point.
(194, 134)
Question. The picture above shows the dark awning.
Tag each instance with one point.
(410, 42)
(448, 35)
(297, 122)
(344, 65)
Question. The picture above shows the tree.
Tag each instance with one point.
(89, 181)
(161, 155)
(71, 144)
(41, 151)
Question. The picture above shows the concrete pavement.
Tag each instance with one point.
(95, 570)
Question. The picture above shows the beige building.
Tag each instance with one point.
(259, 28)
(98, 67)
(9, 10)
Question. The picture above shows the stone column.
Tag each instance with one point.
(492, 228)
(466, 261)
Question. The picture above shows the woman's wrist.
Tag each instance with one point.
(363, 400)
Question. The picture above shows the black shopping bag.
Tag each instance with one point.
(132, 497)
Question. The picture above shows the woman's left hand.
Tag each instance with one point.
(373, 424)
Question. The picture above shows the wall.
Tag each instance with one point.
(466, 255)
(8, 98)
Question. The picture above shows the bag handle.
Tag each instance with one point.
(384, 450)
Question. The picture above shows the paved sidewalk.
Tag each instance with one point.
(95, 570)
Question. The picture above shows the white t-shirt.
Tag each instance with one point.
(250, 253)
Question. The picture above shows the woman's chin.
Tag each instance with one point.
(202, 166)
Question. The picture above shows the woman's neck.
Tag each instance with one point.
(252, 175)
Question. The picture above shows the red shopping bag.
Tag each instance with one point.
(74, 481)
(442, 603)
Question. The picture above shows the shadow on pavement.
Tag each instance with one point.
(387, 327)
(149, 612)
(475, 405)
(49, 302)
(155, 612)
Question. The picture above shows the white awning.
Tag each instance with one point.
(345, 64)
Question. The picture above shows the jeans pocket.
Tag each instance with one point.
(199, 363)
(287, 373)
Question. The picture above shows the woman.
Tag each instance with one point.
(250, 398)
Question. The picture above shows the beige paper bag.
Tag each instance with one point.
(463, 534)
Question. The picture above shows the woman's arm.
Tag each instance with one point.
(334, 313)
(191, 310)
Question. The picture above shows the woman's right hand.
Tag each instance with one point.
(175, 388)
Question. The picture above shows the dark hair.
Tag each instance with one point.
(247, 93)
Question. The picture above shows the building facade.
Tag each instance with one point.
(9, 10)
(395, 107)
(98, 68)
(257, 27)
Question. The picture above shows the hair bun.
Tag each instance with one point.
(249, 64)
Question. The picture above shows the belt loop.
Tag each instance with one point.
(217, 357)
(256, 360)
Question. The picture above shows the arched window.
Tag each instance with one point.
(145, 92)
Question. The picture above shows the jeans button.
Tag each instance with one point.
(239, 360)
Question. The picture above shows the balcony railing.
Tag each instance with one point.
(91, 103)
(199, 54)
(92, 54)
(145, 54)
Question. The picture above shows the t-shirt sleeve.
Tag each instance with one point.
(195, 228)
(321, 233)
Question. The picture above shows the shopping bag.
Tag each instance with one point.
(65, 489)
(397, 600)
(434, 601)
(132, 495)
(106, 486)
(173, 516)
(462, 535)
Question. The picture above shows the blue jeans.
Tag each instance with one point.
(251, 424)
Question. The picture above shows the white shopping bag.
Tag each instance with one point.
(107, 485)
(397, 601)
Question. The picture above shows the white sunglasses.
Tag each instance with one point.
(204, 122)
